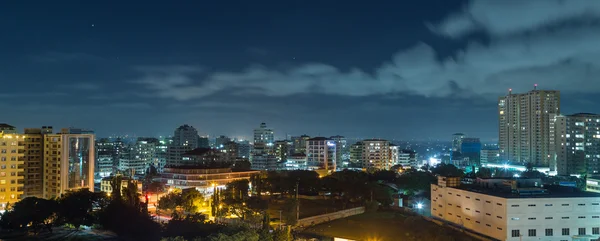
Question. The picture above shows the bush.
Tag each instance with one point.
(371, 206)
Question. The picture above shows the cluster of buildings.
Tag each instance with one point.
(42, 163)
(531, 130)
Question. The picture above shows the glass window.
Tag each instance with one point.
(565, 231)
(549, 232)
(531, 232)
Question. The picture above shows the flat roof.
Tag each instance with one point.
(551, 192)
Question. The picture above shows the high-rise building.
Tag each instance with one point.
(577, 144)
(185, 138)
(263, 135)
(282, 150)
(525, 126)
(376, 154)
(342, 151)
(321, 154)
(203, 142)
(356, 153)
(34, 161)
(185, 135)
(299, 144)
(489, 155)
(230, 151)
(394, 154)
(107, 156)
(457, 139)
(11, 164)
(68, 161)
(407, 158)
(471, 148)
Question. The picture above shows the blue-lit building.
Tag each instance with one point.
(471, 148)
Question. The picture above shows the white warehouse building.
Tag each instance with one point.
(517, 209)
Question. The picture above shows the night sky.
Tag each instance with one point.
(390, 69)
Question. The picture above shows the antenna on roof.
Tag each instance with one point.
(534, 86)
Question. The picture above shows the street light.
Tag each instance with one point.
(419, 206)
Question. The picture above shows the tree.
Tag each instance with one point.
(131, 195)
(36, 212)
(191, 200)
(484, 172)
(129, 223)
(447, 170)
(80, 207)
(416, 181)
(530, 172)
(115, 184)
(171, 201)
(383, 175)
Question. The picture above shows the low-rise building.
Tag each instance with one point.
(592, 184)
(105, 184)
(203, 179)
(517, 209)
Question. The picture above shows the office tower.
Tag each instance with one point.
(320, 154)
(185, 138)
(68, 161)
(356, 153)
(299, 144)
(342, 150)
(263, 135)
(489, 155)
(578, 144)
(161, 153)
(471, 148)
(221, 140)
(457, 141)
(525, 126)
(11, 165)
(376, 154)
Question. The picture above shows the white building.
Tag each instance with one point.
(376, 154)
(489, 156)
(321, 154)
(592, 185)
(518, 214)
(296, 162)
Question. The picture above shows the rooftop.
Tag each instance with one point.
(319, 138)
(553, 191)
(6, 126)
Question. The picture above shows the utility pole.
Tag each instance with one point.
(280, 220)
(297, 202)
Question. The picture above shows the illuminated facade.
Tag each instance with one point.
(577, 144)
(526, 132)
(203, 179)
(68, 162)
(11, 165)
(376, 155)
(321, 154)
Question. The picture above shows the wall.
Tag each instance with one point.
(330, 216)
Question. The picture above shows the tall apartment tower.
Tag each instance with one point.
(321, 154)
(578, 144)
(376, 154)
(526, 131)
(11, 165)
(185, 138)
(34, 161)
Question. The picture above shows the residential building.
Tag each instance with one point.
(34, 161)
(525, 126)
(203, 142)
(517, 209)
(68, 161)
(577, 144)
(376, 154)
(282, 150)
(107, 156)
(407, 158)
(263, 135)
(489, 155)
(265, 161)
(342, 151)
(356, 153)
(203, 179)
(321, 154)
(244, 149)
(296, 162)
(471, 148)
(394, 154)
(230, 151)
(299, 144)
(105, 184)
(11, 165)
(185, 138)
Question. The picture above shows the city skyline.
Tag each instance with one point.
(393, 70)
